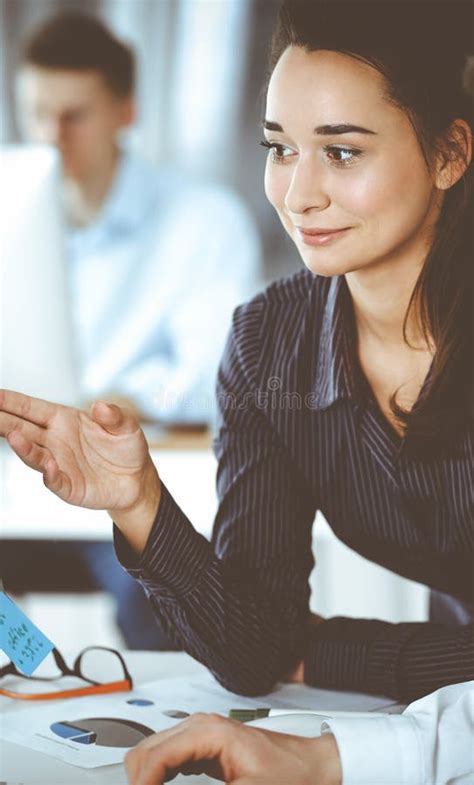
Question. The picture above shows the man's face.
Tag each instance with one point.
(76, 112)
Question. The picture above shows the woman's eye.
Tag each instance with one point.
(279, 153)
(342, 156)
(338, 156)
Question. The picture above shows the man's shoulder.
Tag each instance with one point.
(175, 184)
(171, 184)
(145, 191)
(216, 201)
(149, 182)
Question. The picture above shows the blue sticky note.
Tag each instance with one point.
(20, 639)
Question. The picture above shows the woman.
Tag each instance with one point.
(345, 388)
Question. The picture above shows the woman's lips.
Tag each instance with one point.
(321, 236)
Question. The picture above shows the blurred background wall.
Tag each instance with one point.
(202, 67)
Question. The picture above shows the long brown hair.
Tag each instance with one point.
(420, 49)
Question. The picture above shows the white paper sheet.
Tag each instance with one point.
(32, 727)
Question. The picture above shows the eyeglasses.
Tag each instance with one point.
(84, 668)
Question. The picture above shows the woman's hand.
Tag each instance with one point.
(235, 753)
(98, 460)
(121, 401)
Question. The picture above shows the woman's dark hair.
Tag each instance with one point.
(420, 48)
(79, 42)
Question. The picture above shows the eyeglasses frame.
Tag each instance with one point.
(96, 688)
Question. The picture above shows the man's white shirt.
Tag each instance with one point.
(431, 743)
(153, 283)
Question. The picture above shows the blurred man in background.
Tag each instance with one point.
(150, 253)
(147, 248)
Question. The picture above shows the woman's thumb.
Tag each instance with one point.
(113, 418)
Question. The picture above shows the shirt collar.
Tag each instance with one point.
(133, 191)
(335, 377)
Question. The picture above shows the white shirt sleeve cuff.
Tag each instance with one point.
(384, 750)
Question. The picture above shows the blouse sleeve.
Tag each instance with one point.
(404, 661)
(239, 604)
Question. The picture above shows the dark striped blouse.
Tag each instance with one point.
(300, 431)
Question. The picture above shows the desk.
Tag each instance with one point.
(20, 765)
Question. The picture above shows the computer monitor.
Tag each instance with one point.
(37, 354)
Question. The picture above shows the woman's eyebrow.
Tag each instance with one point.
(341, 128)
(324, 130)
(271, 126)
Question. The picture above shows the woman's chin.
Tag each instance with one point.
(325, 267)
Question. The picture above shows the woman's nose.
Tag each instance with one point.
(306, 189)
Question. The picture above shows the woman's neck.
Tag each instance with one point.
(381, 296)
(392, 361)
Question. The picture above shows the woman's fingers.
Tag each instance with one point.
(34, 410)
(41, 459)
(30, 453)
(10, 422)
(57, 481)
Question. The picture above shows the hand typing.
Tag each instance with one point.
(232, 752)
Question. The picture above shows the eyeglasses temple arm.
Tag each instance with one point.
(61, 663)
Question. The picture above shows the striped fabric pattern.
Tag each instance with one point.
(300, 431)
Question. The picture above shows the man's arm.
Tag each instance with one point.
(233, 752)
(431, 743)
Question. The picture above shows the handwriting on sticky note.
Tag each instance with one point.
(20, 639)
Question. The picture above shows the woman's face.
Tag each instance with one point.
(344, 158)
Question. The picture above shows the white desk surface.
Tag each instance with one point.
(29, 511)
(20, 766)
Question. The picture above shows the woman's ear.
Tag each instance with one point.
(455, 155)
